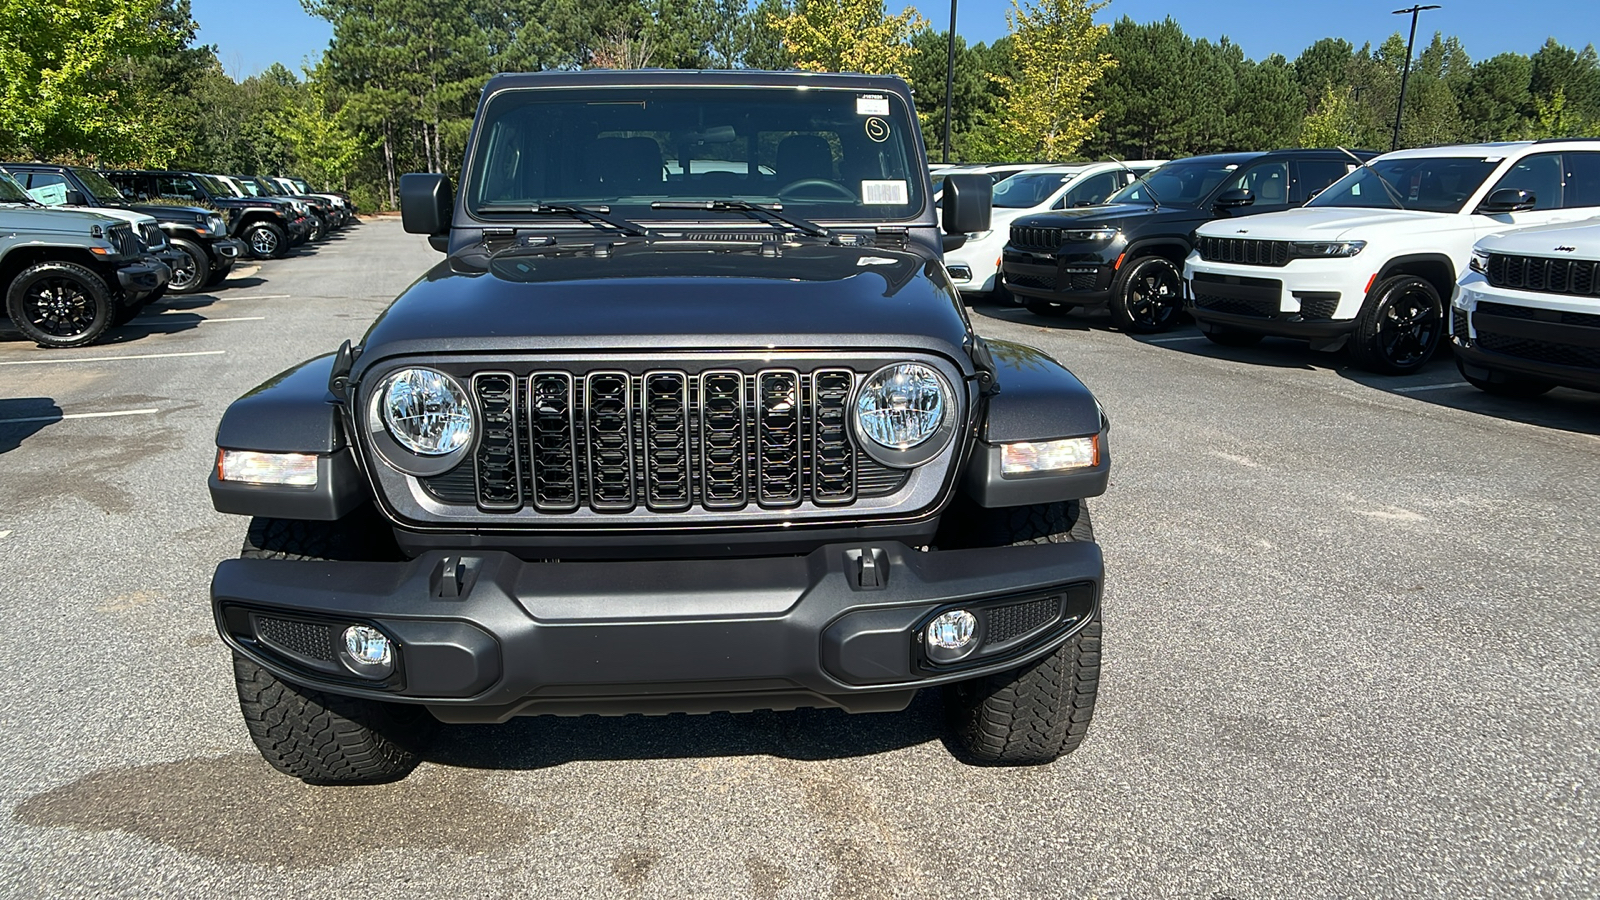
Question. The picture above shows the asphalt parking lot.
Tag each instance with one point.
(1352, 650)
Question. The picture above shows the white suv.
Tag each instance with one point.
(1372, 260)
(975, 267)
(1527, 316)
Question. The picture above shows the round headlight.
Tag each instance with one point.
(425, 411)
(905, 413)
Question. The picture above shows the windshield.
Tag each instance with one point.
(821, 153)
(301, 186)
(1431, 184)
(98, 186)
(266, 186)
(10, 191)
(1183, 184)
(1029, 189)
(222, 187)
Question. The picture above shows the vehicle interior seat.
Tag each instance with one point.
(802, 156)
(630, 165)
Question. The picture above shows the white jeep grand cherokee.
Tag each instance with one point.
(1527, 316)
(1373, 260)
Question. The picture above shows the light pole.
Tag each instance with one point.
(1405, 73)
(949, 79)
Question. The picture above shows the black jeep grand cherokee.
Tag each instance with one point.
(1128, 254)
(689, 418)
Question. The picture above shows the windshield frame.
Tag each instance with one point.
(9, 183)
(1371, 171)
(88, 178)
(921, 207)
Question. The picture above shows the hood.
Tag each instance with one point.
(26, 220)
(1567, 240)
(132, 217)
(1119, 215)
(1327, 223)
(677, 295)
(162, 213)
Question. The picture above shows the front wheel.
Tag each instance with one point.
(1399, 327)
(1040, 711)
(1147, 296)
(191, 268)
(266, 240)
(60, 304)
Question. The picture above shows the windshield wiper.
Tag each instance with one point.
(769, 212)
(1155, 202)
(590, 214)
(1393, 194)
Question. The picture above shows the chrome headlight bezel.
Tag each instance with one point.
(921, 451)
(403, 452)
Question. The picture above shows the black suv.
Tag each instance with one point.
(202, 253)
(1128, 253)
(268, 226)
(689, 418)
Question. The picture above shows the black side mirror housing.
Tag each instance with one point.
(966, 203)
(1509, 200)
(76, 198)
(426, 203)
(1234, 198)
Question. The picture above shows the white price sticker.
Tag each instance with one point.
(872, 105)
(884, 193)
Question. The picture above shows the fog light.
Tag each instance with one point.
(1028, 457)
(250, 467)
(367, 646)
(952, 630)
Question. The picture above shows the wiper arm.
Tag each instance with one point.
(588, 213)
(1155, 202)
(769, 212)
(1393, 194)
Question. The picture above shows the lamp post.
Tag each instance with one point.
(1405, 74)
(949, 79)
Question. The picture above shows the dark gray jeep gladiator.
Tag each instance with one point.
(690, 418)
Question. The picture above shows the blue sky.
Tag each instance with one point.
(252, 36)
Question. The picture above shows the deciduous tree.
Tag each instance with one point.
(848, 36)
(1056, 45)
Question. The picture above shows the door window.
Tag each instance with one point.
(177, 187)
(1269, 182)
(1539, 175)
(46, 187)
(1092, 191)
(1317, 174)
(1583, 180)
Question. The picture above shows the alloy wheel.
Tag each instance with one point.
(59, 307)
(1408, 328)
(263, 242)
(1154, 297)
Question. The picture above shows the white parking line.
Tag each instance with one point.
(5, 534)
(1197, 337)
(150, 321)
(84, 359)
(1429, 387)
(94, 415)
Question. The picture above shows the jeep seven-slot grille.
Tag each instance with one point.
(1244, 252)
(1550, 276)
(152, 236)
(1033, 238)
(667, 440)
(122, 237)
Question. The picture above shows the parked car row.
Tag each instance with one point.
(1342, 250)
(82, 250)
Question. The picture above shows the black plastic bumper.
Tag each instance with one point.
(1289, 326)
(226, 251)
(143, 276)
(485, 637)
(1485, 364)
(1069, 278)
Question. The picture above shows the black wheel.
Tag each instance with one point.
(60, 304)
(1227, 337)
(1147, 295)
(266, 240)
(1041, 711)
(1399, 327)
(1508, 384)
(219, 273)
(191, 269)
(319, 228)
(1047, 308)
(316, 736)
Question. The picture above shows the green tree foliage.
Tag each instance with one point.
(1497, 98)
(1324, 64)
(970, 96)
(1058, 58)
(848, 36)
(1333, 122)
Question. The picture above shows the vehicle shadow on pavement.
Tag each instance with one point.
(1565, 409)
(540, 742)
(1077, 320)
(24, 417)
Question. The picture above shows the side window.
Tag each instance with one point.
(1317, 174)
(177, 187)
(1092, 190)
(1268, 181)
(46, 187)
(130, 185)
(1539, 175)
(1583, 181)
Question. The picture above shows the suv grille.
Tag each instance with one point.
(1552, 276)
(1244, 252)
(1035, 238)
(152, 237)
(666, 440)
(121, 236)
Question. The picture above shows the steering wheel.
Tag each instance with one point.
(835, 187)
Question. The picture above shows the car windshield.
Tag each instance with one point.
(222, 187)
(267, 186)
(1029, 189)
(1439, 184)
(10, 191)
(822, 153)
(103, 190)
(1184, 183)
(303, 187)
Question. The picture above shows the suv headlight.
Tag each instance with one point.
(216, 225)
(905, 414)
(425, 412)
(1479, 262)
(1089, 235)
(1325, 249)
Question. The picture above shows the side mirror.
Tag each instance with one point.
(1509, 200)
(1234, 198)
(76, 198)
(425, 203)
(966, 203)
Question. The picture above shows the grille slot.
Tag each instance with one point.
(778, 437)
(722, 440)
(1542, 275)
(152, 236)
(1010, 622)
(121, 236)
(496, 463)
(833, 469)
(1244, 251)
(307, 639)
(1035, 238)
(608, 417)
(666, 440)
(552, 442)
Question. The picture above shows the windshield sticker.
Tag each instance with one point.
(878, 129)
(884, 193)
(872, 105)
(50, 194)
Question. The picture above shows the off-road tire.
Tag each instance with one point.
(1040, 711)
(325, 738)
(1519, 387)
(1232, 338)
(1047, 308)
(260, 236)
(192, 277)
(319, 737)
(218, 275)
(1156, 277)
(1388, 338)
(97, 307)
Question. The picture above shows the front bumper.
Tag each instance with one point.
(1497, 331)
(1072, 276)
(225, 251)
(143, 275)
(1315, 300)
(485, 637)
